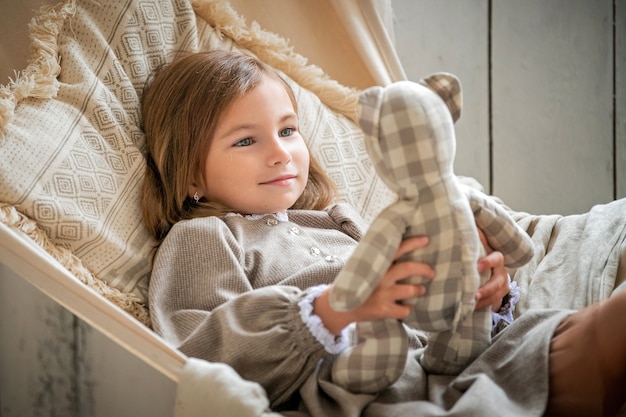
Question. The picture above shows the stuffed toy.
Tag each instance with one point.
(409, 135)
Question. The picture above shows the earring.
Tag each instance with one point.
(196, 197)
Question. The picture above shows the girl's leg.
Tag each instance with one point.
(588, 361)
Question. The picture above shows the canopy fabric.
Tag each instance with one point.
(351, 40)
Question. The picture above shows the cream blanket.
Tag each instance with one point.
(576, 258)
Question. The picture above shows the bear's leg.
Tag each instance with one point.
(376, 360)
(449, 352)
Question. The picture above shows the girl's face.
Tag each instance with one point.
(257, 162)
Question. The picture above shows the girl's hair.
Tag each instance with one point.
(181, 108)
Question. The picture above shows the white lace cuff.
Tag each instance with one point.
(333, 344)
(504, 316)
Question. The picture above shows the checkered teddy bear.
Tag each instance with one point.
(409, 134)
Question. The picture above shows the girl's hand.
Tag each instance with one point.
(384, 302)
(492, 292)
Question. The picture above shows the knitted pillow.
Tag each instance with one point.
(72, 151)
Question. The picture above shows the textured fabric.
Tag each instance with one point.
(237, 282)
(508, 379)
(370, 27)
(504, 316)
(577, 257)
(500, 229)
(229, 393)
(363, 57)
(410, 137)
(74, 162)
(376, 359)
(332, 344)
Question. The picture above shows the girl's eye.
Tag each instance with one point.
(244, 142)
(286, 132)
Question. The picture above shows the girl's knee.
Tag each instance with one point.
(588, 361)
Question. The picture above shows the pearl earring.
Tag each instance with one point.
(196, 197)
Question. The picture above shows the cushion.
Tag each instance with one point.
(72, 148)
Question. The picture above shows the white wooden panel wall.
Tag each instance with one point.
(37, 345)
(552, 66)
(452, 36)
(53, 364)
(539, 79)
(620, 96)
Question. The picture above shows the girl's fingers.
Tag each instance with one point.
(410, 244)
(392, 306)
(493, 260)
(386, 301)
(492, 292)
(403, 270)
(401, 292)
(492, 300)
(397, 311)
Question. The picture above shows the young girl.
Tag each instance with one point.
(250, 241)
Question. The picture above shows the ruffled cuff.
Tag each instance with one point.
(504, 316)
(333, 344)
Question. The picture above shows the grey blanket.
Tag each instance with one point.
(509, 379)
(576, 260)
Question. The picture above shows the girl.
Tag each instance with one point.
(250, 242)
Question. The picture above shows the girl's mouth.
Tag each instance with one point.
(282, 180)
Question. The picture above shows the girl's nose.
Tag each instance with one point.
(279, 152)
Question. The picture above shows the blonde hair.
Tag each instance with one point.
(181, 108)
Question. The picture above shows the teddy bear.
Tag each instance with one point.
(409, 134)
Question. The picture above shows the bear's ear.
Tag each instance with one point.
(448, 87)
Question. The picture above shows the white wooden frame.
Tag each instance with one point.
(36, 266)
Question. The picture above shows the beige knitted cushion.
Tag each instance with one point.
(71, 150)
